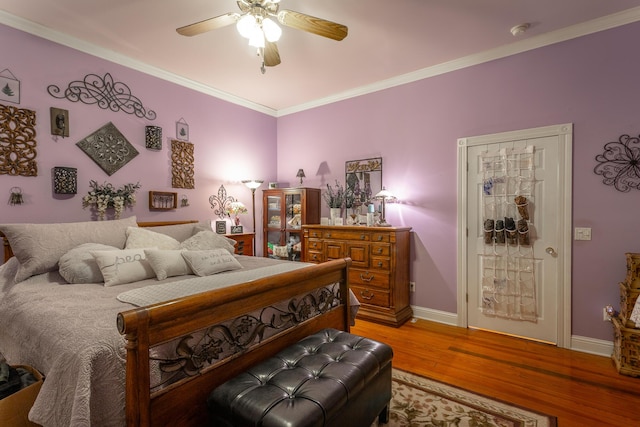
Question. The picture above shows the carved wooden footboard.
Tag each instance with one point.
(218, 334)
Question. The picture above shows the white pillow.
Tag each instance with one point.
(79, 266)
(138, 237)
(205, 263)
(123, 266)
(180, 232)
(38, 247)
(207, 240)
(167, 263)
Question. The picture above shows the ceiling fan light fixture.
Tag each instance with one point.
(257, 38)
(246, 26)
(272, 31)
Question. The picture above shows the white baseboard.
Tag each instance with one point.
(578, 343)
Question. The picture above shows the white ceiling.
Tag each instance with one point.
(389, 42)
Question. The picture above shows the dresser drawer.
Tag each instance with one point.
(315, 234)
(362, 236)
(381, 249)
(379, 279)
(314, 245)
(381, 237)
(380, 263)
(314, 256)
(373, 296)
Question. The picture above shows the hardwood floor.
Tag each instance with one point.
(581, 389)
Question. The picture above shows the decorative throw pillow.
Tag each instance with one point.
(123, 266)
(207, 240)
(38, 247)
(138, 237)
(180, 232)
(79, 266)
(167, 263)
(206, 263)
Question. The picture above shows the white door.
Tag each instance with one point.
(543, 311)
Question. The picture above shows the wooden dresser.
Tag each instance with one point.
(379, 273)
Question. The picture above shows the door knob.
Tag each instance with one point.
(551, 251)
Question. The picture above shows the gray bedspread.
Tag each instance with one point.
(68, 332)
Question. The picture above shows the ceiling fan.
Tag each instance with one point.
(255, 23)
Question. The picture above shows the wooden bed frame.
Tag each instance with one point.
(184, 403)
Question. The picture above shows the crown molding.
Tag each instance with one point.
(600, 24)
(596, 25)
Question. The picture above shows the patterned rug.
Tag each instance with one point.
(420, 402)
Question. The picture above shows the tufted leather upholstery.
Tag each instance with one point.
(331, 378)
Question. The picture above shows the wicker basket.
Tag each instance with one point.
(628, 297)
(633, 270)
(626, 349)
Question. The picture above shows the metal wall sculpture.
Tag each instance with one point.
(18, 141)
(65, 180)
(103, 91)
(182, 160)
(620, 163)
(108, 148)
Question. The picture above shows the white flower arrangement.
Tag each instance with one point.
(104, 196)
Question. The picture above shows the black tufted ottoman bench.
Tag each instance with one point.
(331, 378)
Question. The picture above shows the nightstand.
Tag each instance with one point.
(245, 243)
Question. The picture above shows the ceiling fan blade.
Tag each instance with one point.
(311, 24)
(208, 24)
(271, 54)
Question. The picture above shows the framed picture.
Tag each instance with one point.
(59, 121)
(9, 87)
(182, 130)
(162, 200)
(236, 229)
(221, 227)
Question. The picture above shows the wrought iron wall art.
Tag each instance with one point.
(103, 91)
(220, 202)
(17, 141)
(620, 163)
(16, 196)
(182, 169)
(59, 122)
(9, 87)
(108, 148)
(153, 137)
(65, 180)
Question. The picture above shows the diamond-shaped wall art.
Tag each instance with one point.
(108, 148)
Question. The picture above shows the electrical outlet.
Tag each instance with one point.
(412, 286)
(605, 315)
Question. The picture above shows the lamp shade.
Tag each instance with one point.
(253, 183)
(384, 194)
(272, 31)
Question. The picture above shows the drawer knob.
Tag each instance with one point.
(329, 235)
(367, 294)
(379, 237)
(379, 250)
(362, 237)
(366, 279)
(379, 263)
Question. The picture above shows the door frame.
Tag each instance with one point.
(564, 132)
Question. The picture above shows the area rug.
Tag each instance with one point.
(421, 402)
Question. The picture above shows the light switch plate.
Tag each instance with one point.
(582, 233)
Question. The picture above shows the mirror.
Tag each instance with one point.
(363, 180)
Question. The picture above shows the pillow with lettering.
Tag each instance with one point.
(206, 263)
(123, 266)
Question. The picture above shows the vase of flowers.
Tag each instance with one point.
(105, 196)
(234, 209)
(335, 198)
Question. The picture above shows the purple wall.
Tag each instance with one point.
(220, 132)
(591, 82)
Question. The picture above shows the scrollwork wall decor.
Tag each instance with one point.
(620, 163)
(17, 141)
(103, 91)
(182, 169)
